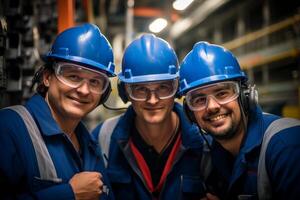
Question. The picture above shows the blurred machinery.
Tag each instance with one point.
(21, 44)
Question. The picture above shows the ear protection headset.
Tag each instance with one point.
(122, 91)
(189, 114)
(105, 95)
(248, 97)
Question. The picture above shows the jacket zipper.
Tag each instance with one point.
(181, 151)
(132, 163)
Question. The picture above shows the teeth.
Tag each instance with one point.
(218, 117)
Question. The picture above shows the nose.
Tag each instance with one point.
(212, 104)
(152, 97)
(84, 88)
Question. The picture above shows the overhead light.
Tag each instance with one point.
(180, 26)
(181, 4)
(196, 17)
(158, 25)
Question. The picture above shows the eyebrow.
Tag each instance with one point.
(223, 87)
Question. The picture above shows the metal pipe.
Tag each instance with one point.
(261, 33)
(129, 22)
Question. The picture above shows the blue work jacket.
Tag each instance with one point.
(184, 179)
(236, 177)
(19, 172)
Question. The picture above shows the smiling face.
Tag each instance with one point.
(153, 110)
(66, 102)
(218, 116)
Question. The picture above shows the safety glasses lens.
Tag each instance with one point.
(75, 75)
(143, 91)
(222, 93)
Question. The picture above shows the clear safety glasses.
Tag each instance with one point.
(75, 76)
(222, 93)
(161, 89)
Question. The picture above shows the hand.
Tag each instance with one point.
(87, 185)
(209, 196)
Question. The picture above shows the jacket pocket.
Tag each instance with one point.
(122, 184)
(192, 187)
(119, 176)
(39, 184)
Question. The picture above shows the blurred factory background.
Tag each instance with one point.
(264, 34)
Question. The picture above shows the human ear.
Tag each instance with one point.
(47, 76)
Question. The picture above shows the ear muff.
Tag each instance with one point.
(190, 115)
(105, 95)
(248, 97)
(122, 91)
(177, 95)
(253, 96)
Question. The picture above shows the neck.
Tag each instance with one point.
(233, 145)
(158, 135)
(66, 124)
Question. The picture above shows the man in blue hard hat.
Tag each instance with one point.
(152, 151)
(254, 155)
(46, 151)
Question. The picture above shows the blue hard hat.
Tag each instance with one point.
(148, 58)
(84, 44)
(208, 63)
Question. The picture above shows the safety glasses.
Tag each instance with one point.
(222, 93)
(161, 89)
(75, 76)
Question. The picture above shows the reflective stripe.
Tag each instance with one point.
(45, 164)
(104, 136)
(263, 183)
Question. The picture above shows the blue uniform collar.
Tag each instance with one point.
(249, 149)
(255, 131)
(189, 133)
(40, 111)
(123, 128)
(252, 141)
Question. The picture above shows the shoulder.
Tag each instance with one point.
(285, 144)
(284, 129)
(13, 132)
(190, 132)
(108, 124)
(282, 157)
(287, 132)
(95, 131)
(10, 121)
(178, 109)
(187, 127)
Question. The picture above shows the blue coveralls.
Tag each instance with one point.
(183, 181)
(19, 173)
(239, 174)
